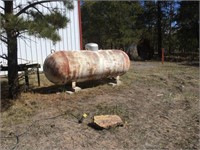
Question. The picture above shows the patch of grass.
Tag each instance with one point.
(17, 114)
(158, 102)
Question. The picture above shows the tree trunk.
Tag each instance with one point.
(13, 82)
(13, 68)
(171, 11)
(159, 29)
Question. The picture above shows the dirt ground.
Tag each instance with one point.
(158, 103)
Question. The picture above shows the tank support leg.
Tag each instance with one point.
(73, 85)
(116, 82)
(117, 79)
(75, 88)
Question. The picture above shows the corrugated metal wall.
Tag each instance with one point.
(35, 50)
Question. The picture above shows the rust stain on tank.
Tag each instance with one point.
(67, 66)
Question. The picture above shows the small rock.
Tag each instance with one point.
(69, 92)
(112, 84)
(160, 95)
(107, 121)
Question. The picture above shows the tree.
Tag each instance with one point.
(159, 28)
(169, 25)
(146, 23)
(188, 26)
(172, 25)
(28, 19)
(159, 24)
(110, 24)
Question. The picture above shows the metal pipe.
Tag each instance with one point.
(64, 67)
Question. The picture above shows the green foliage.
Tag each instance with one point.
(188, 31)
(46, 26)
(34, 22)
(148, 22)
(110, 23)
(117, 24)
(40, 25)
(68, 4)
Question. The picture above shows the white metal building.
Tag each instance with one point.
(35, 50)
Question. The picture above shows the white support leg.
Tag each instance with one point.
(74, 88)
(73, 85)
(116, 82)
(117, 79)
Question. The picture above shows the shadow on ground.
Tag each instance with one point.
(5, 102)
(63, 88)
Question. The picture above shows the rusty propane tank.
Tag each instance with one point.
(64, 67)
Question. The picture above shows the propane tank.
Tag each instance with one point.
(64, 67)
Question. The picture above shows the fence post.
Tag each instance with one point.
(163, 55)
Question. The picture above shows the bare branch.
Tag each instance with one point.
(34, 4)
(24, 38)
(4, 56)
(3, 39)
(2, 7)
(19, 6)
(3, 36)
(48, 8)
(30, 6)
(38, 11)
(23, 32)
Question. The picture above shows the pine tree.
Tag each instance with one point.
(188, 26)
(111, 24)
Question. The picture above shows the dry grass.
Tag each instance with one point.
(159, 105)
